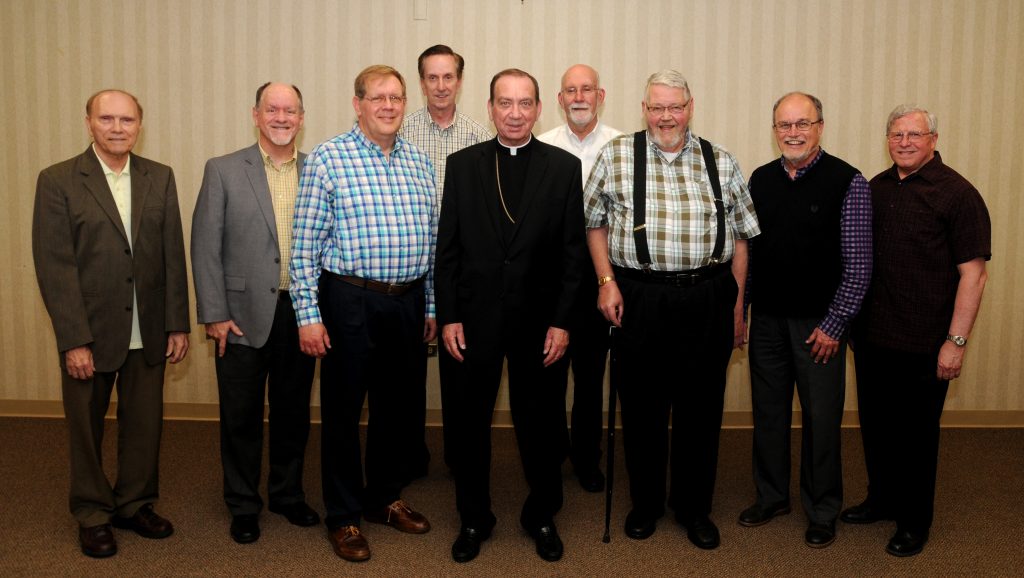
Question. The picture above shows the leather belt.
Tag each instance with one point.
(674, 278)
(379, 286)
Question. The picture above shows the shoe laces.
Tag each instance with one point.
(397, 507)
(351, 531)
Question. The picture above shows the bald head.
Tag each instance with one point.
(580, 97)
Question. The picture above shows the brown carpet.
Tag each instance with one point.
(977, 532)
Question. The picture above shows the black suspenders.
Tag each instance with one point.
(643, 253)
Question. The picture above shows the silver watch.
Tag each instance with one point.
(958, 340)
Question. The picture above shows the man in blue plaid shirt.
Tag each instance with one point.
(362, 274)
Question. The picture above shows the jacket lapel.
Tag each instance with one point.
(261, 191)
(489, 187)
(141, 186)
(96, 183)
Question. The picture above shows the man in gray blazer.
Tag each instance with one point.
(241, 235)
(110, 261)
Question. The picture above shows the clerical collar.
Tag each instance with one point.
(514, 150)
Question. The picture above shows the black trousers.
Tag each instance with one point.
(140, 397)
(900, 400)
(246, 375)
(376, 354)
(588, 355)
(537, 400)
(779, 356)
(673, 350)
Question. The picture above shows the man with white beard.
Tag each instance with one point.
(584, 135)
(670, 253)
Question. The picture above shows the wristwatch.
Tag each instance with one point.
(958, 340)
(604, 279)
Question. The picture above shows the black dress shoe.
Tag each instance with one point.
(549, 545)
(467, 545)
(245, 528)
(757, 514)
(864, 513)
(591, 479)
(298, 513)
(905, 543)
(146, 523)
(820, 535)
(639, 527)
(701, 531)
(97, 541)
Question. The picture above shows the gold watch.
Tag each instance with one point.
(604, 279)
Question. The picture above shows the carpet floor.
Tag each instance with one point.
(979, 521)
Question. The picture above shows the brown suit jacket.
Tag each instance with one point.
(87, 270)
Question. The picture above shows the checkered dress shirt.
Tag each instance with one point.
(283, 183)
(421, 130)
(362, 213)
(680, 207)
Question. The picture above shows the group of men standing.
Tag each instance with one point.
(521, 250)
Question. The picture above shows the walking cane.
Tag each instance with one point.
(610, 467)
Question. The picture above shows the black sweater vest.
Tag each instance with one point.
(796, 263)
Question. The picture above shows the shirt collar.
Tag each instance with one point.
(437, 127)
(582, 141)
(802, 170)
(109, 171)
(267, 161)
(689, 141)
(928, 172)
(365, 141)
(512, 150)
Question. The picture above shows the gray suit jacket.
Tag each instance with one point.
(87, 270)
(236, 262)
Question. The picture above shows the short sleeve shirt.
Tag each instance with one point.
(924, 226)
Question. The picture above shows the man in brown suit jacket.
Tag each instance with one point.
(110, 261)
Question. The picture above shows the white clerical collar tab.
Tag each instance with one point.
(513, 150)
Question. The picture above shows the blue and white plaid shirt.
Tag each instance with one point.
(362, 213)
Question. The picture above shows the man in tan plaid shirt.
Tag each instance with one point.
(671, 281)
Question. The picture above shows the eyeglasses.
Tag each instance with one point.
(675, 109)
(379, 99)
(585, 90)
(800, 125)
(912, 136)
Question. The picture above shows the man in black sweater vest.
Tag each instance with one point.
(809, 271)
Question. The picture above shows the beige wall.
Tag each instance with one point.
(195, 66)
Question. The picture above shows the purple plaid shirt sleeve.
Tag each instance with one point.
(856, 247)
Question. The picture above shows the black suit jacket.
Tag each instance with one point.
(532, 280)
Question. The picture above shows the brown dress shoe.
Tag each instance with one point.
(400, 516)
(97, 541)
(145, 523)
(349, 544)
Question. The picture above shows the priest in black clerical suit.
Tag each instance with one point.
(510, 252)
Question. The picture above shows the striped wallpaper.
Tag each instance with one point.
(195, 65)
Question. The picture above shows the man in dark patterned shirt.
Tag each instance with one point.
(932, 237)
(809, 270)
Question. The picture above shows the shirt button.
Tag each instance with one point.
(127, 251)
